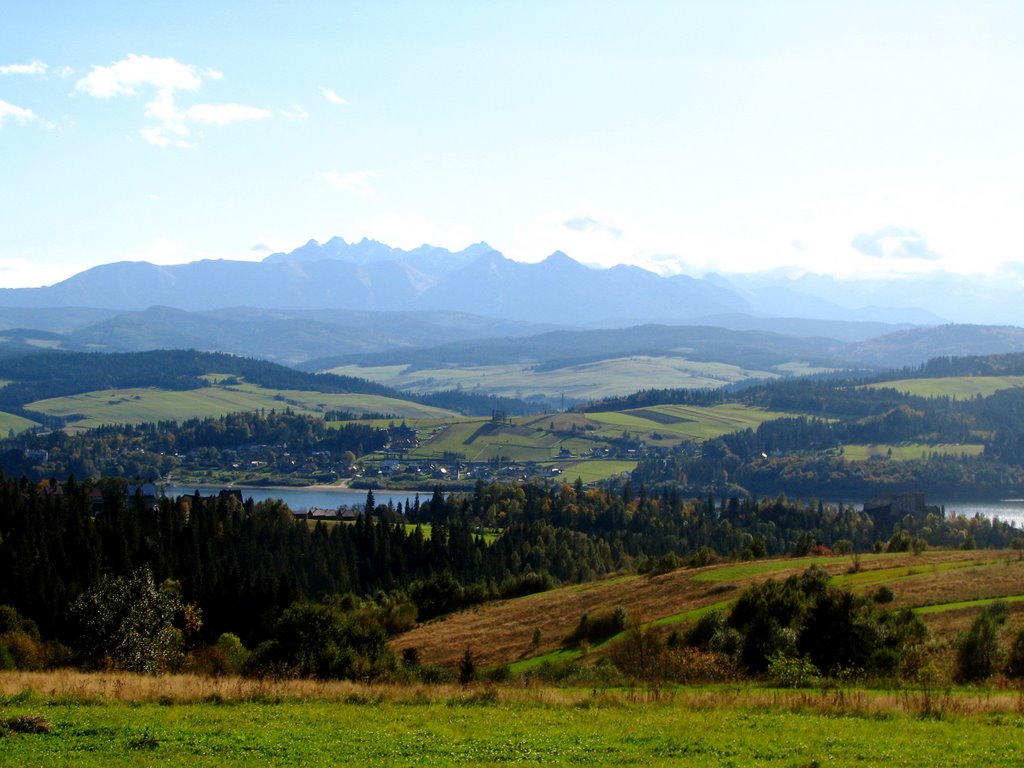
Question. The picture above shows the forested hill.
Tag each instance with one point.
(975, 365)
(43, 375)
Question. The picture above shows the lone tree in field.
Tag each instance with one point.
(467, 667)
(127, 623)
(978, 653)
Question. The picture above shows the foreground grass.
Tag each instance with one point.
(244, 723)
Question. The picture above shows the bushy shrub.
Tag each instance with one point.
(126, 623)
(21, 646)
(527, 584)
(684, 664)
(792, 671)
(978, 652)
(803, 618)
(324, 642)
(1015, 658)
(228, 656)
(600, 625)
(883, 595)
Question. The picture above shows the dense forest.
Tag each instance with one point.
(242, 566)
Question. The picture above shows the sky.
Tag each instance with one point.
(847, 138)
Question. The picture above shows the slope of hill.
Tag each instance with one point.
(47, 375)
(502, 632)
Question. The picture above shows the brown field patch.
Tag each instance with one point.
(502, 632)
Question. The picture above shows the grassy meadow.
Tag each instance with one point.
(541, 438)
(587, 381)
(910, 451)
(675, 423)
(9, 421)
(134, 406)
(957, 387)
(131, 721)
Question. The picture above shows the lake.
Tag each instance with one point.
(304, 498)
(1008, 510)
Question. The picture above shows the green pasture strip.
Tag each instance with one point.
(952, 386)
(882, 575)
(474, 730)
(557, 656)
(688, 422)
(137, 405)
(693, 614)
(943, 607)
(910, 451)
(9, 421)
(592, 470)
(481, 440)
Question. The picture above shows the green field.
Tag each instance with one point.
(683, 422)
(910, 451)
(134, 406)
(476, 727)
(590, 471)
(541, 438)
(482, 440)
(589, 381)
(9, 421)
(958, 387)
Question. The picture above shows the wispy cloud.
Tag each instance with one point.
(34, 67)
(20, 114)
(590, 224)
(295, 112)
(164, 79)
(332, 96)
(357, 182)
(894, 243)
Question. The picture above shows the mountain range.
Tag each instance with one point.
(340, 301)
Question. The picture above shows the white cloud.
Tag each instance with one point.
(357, 182)
(164, 78)
(35, 67)
(894, 243)
(295, 113)
(126, 77)
(224, 114)
(332, 96)
(20, 114)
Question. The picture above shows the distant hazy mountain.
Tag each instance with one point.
(284, 336)
(371, 276)
(746, 348)
(928, 299)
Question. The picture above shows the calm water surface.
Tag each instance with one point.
(1008, 510)
(302, 498)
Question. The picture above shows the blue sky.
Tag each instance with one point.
(867, 138)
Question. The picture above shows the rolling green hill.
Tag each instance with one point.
(148, 404)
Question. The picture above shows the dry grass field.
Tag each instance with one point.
(503, 632)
